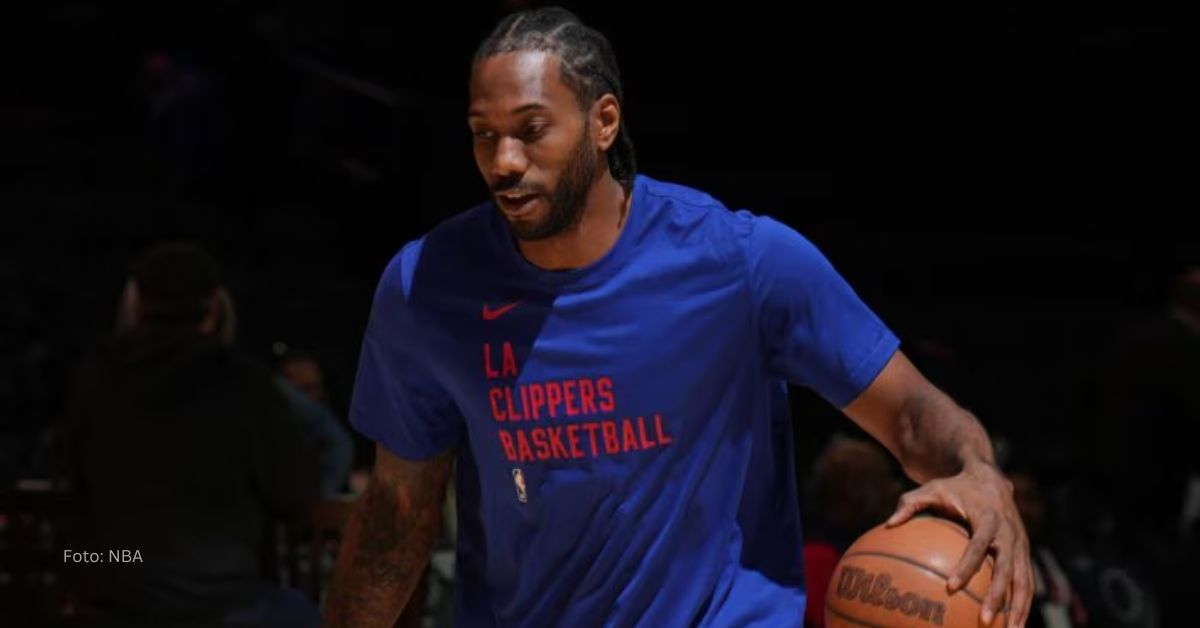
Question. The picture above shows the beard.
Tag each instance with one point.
(569, 198)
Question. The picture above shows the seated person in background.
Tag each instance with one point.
(1055, 602)
(303, 382)
(852, 489)
(185, 450)
(302, 371)
(335, 449)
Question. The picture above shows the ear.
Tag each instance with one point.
(606, 121)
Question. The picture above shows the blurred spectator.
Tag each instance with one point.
(303, 372)
(1148, 471)
(1151, 387)
(853, 488)
(185, 450)
(1113, 584)
(1056, 604)
(324, 433)
(303, 380)
(335, 449)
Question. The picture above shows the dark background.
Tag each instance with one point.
(1011, 180)
(1008, 184)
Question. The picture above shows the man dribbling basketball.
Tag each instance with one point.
(606, 357)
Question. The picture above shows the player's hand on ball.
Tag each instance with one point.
(983, 498)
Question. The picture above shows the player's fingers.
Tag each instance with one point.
(1002, 576)
(910, 504)
(983, 532)
(1022, 587)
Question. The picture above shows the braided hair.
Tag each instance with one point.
(588, 66)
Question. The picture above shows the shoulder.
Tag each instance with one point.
(448, 245)
(688, 215)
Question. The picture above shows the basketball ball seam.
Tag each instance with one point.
(853, 620)
(954, 525)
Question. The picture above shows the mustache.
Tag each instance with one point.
(516, 187)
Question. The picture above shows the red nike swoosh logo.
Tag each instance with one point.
(491, 315)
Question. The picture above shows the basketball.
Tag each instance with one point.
(896, 577)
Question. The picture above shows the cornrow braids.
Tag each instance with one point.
(589, 67)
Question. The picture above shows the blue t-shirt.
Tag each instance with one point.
(623, 434)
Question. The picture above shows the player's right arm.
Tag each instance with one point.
(387, 542)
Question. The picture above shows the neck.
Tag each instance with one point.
(599, 226)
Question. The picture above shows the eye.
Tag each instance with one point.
(536, 131)
(484, 136)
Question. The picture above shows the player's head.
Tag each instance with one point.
(546, 116)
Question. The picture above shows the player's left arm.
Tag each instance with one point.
(944, 448)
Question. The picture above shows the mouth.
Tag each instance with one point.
(517, 205)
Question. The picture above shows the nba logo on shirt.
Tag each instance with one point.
(519, 481)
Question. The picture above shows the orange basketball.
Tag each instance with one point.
(896, 577)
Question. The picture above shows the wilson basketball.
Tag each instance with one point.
(897, 578)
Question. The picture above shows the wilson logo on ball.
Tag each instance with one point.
(877, 590)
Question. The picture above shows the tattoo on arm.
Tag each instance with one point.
(386, 544)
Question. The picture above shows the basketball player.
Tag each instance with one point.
(605, 356)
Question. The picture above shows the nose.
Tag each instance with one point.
(510, 161)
